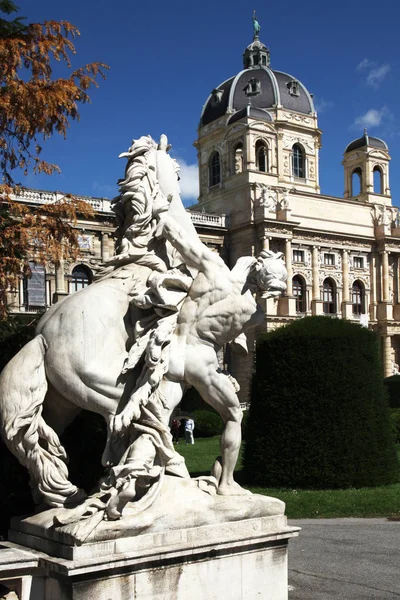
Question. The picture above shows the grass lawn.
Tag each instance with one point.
(300, 504)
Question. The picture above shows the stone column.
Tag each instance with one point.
(265, 242)
(60, 280)
(105, 250)
(287, 303)
(374, 301)
(396, 286)
(316, 303)
(345, 271)
(385, 308)
(347, 309)
(288, 261)
(387, 355)
(385, 276)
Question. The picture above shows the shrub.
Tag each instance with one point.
(192, 401)
(318, 416)
(207, 423)
(392, 385)
(395, 422)
(15, 332)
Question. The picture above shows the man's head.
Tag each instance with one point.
(270, 274)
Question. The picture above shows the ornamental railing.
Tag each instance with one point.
(103, 205)
(44, 197)
(201, 218)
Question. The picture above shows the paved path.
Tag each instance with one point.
(346, 559)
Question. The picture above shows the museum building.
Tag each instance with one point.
(258, 154)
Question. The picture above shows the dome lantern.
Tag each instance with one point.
(256, 53)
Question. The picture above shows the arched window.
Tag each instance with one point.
(80, 278)
(378, 180)
(238, 158)
(261, 156)
(299, 292)
(329, 297)
(298, 161)
(214, 169)
(358, 298)
(356, 182)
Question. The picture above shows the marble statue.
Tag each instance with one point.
(129, 346)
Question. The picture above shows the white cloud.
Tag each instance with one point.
(375, 76)
(372, 118)
(322, 105)
(365, 64)
(189, 180)
(376, 73)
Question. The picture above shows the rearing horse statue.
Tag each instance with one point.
(129, 345)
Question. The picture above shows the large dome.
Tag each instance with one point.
(257, 85)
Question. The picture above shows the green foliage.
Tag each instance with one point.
(13, 26)
(395, 422)
(207, 423)
(392, 385)
(318, 416)
(15, 332)
(192, 401)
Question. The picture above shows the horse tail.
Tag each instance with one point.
(23, 388)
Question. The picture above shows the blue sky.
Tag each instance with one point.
(166, 57)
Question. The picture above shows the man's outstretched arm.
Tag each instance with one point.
(193, 251)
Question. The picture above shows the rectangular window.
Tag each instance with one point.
(35, 287)
(329, 259)
(298, 256)
(358, 262)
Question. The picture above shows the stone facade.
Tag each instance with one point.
(50, 283)
(259, 166)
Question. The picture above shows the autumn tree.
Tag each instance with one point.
(33, 107)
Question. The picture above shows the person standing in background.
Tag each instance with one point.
(189, 427)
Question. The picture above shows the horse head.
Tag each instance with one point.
(150, 186)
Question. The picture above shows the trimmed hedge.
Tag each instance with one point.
(392, 385)
(318, 416)
(395, 422)
(207, 423)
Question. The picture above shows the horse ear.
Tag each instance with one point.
(163, 144)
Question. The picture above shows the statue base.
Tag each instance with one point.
(242, 560)
(187, 544)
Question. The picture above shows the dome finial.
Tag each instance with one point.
(365, 131)
(256, 26)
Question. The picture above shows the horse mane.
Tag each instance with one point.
(133, 208)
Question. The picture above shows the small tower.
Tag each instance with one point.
(366, 170)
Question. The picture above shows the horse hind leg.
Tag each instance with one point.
(23, 388)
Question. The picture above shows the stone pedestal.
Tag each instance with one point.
(317, 307)
(385, 311)
(287, 306)
(347, 310)
(241, 560)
